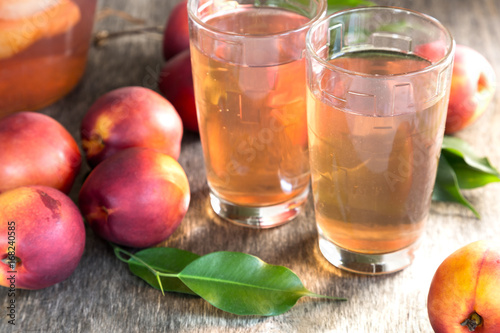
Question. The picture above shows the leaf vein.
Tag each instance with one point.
(301, 291)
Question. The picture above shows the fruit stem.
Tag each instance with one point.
(101, 37)
(473, 321)
(12, 262)
(104, 13)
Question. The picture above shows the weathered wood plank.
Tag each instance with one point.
(102, 296)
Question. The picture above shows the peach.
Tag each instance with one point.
(433, 51)
(176, 34)
(176, 84)
(464, 295)
(42, 239)
(130, 117)
(137, 197)
(35, 149)
(472, 88)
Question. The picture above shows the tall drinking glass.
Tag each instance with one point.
(378, 88)
(248, 61)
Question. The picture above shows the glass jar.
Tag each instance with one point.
(43, 50)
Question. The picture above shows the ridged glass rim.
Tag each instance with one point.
(322, 6)
(442, 62)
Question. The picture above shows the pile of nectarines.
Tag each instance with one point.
(175, 81)
(39, 161)
(136, 195)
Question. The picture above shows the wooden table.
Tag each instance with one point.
(103, 296)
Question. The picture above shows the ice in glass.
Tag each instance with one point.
(249, 75)
(376, 114)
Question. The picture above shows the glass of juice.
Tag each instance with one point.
(43, 50)
(248, 62)
(378, 87)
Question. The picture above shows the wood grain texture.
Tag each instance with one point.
(102, 296)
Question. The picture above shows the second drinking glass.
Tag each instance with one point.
(379, 81)
(250, 90)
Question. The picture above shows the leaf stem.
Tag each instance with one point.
(311, 294)
(118, 251)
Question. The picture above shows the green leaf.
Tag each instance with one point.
(472, 171)
(231, 281)
(461, 168)
(468, 176)
(446, 187)
(163, 260)
(243, 284)
(336, 5)
(461, 148)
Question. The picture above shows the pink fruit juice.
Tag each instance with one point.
(373, 176)
(252, 109)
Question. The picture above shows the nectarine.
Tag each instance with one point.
(176, 34)
(35, 149)
(433, 51)
(176, 84)
(472, 88)
(130, 117)
(464, 295)
(42, 238)
(136, 198)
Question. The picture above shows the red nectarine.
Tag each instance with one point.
(433, 51)
(35, 149)
(176, 34)
(472, 88)
(137, 197)
(42, 238)
(130, 117)
(176, 84)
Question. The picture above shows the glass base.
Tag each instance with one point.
(259, 217)
(370, 264)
